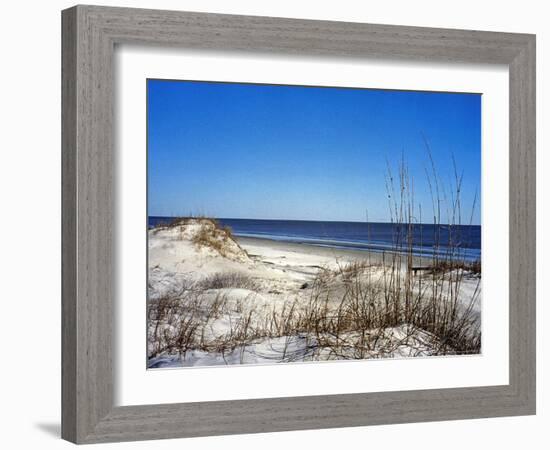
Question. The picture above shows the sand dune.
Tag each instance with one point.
(215, 299)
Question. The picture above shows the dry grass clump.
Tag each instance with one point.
(222, 280)
(179, 324)
(174, 322)
(211, 235)
(364, 309)
(404, 341)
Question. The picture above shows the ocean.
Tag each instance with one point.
(373, 236)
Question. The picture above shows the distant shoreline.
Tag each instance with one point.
(375, 257)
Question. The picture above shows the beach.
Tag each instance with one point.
(300, 254)
(219, 299)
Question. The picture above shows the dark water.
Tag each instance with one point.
(426, 239)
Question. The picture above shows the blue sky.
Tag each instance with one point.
(235, 150)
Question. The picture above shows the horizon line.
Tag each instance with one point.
(312, 220)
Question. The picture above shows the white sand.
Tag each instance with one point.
(281, 273)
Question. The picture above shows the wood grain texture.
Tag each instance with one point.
(68, 225)
(89, 36)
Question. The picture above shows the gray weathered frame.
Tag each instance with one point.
(89, 36)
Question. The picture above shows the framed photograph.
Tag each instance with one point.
(278, 224)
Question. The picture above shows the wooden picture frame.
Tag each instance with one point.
(90, 34)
